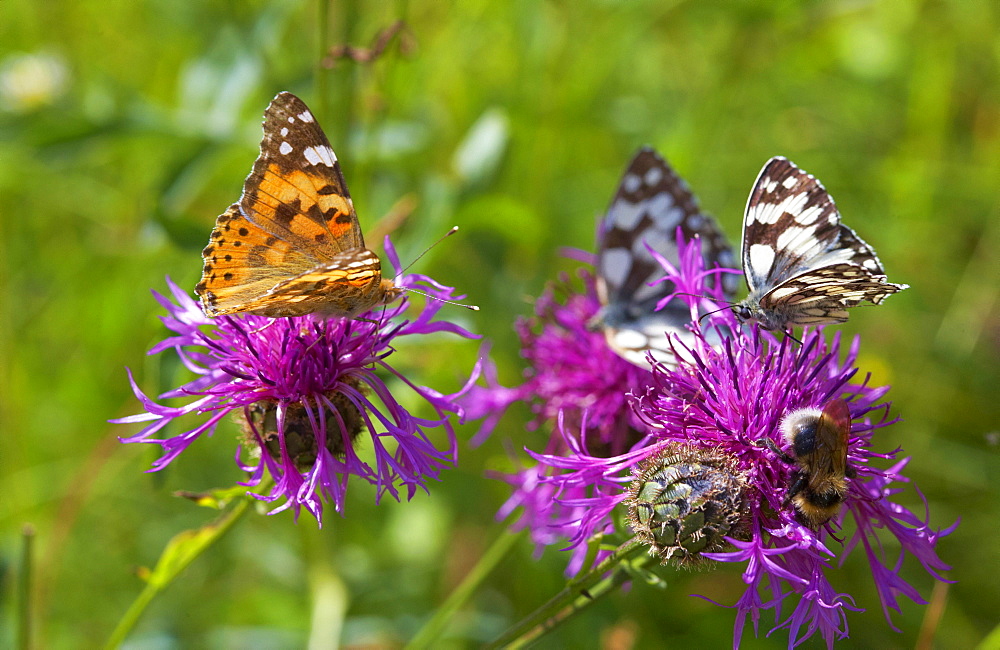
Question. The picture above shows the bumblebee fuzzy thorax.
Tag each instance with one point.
(819, 443)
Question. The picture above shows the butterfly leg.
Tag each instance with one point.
(264, 327)
(789, 334)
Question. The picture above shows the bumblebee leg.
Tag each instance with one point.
(767, 442)
(799, 481)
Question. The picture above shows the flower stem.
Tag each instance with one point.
(182, 550)
(322, 38)
(432, 629)
(344, 79)
(25, 604)
(578, 594)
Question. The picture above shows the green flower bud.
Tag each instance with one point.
(685, 500)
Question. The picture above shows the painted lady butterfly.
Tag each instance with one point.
(802, 266)
(292, 245)
(652, 201)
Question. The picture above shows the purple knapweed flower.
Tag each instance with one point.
(730, 400)
(573, 377)
(304, 389)
(575, 381)
(571, 370)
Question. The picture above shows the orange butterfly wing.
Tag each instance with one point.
(293, 244)
(296, 190)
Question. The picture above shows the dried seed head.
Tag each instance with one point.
(685, 500)
(300, 430)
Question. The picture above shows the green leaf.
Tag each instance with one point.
(217, 498)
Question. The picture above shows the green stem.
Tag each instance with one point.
(322, 40)
(180, 551)
(345, 79)
(25, 620)
(329, 596)
(579, 593)
(432, 629)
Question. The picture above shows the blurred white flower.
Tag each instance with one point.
(31, 81)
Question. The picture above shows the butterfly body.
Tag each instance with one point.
(652, 202)
(802, 266)
(292, 245)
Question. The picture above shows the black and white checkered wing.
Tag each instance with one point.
(801, 264)
(652, 201)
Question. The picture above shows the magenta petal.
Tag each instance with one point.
(607, 416)
(244, 360)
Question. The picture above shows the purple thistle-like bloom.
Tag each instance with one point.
(573, 377)
(731, 398)
(304, 389)
(575, 382)
(571, 371)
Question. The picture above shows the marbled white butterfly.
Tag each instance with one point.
(802, 266)
(651, 203)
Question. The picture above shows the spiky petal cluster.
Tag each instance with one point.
(572, 377)
(575, 381)
(731, 398)
(571, 373)
(304, 388)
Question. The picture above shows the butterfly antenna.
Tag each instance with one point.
(695, 295)
(448, 234)
(435, 298)
(715, 311)
(716, 300)
(704, 297)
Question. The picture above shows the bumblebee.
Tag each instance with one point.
(818, 439)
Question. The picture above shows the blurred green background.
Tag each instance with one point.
(125, 128)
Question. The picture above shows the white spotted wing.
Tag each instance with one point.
(651, 203)
(802, 266)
